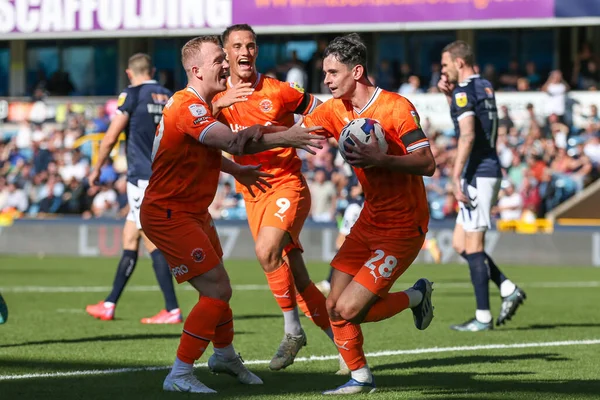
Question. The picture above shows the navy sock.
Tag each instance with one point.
(330, 274)
(124, 271)
(495, 274)
(480, 278)
(164, 278)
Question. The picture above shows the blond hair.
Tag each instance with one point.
(140, 64)
(190, 52)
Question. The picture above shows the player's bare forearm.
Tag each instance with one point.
(419, 162)
(229, 167)
(111, 137)
(465, 145)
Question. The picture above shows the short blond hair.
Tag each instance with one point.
(190, 52)
(140, 64)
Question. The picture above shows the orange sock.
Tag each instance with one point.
(224, 330)
(388, 307)
(312, 303)
(199, 328)
(349, 340)
(281, 282)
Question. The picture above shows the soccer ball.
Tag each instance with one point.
(361, 129)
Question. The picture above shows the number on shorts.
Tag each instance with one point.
(158, 137)
(386, 268)
(283, 204)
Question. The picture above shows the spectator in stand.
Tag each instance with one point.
(534, 79)
(510, 203)
(510, 77)
(413, 86)
(557, 89)
(324, 197)
(385, 76)
(585, 69)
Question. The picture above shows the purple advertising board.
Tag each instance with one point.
(43, 18)
(309, 12)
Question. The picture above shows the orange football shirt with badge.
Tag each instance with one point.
(287, 204)
(184, 181)
(391, 228)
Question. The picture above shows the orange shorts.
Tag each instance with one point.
(189, 242)
(285, 208)
(376, 261)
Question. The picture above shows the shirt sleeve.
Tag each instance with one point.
(195, 119)
(409, 128)
(463, 102)
(321, 116)
(126, 102)
(296, 100)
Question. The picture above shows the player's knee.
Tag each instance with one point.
(268, 256)
(331, 310)
(131, 236)
(349, 312)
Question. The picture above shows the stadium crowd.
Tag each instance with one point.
(547, 158)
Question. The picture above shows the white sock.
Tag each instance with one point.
(507, 288)
(362, 375)
(175, 311)
(226, 353)
(109, 304)
(483, 316)
(329, 333)
(292, 322)
(415, 297)
(181, 368)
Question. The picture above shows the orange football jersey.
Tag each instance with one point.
(272, 103)
(394, 201)
(185, 173)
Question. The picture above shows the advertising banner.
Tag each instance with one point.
(577, 8)
(115, 16)
(308, 12)
(112, 18)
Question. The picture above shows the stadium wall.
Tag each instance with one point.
(576, 246)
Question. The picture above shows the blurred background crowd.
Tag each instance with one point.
(547, 157)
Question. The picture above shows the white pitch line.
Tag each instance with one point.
(153, 288)
(386, 353)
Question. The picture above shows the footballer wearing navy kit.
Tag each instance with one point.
(476, 179)
(139, 112)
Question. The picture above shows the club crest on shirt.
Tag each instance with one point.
(197, 110)
(266, 105)
(299, 88)
(461, 99)
(121, 99)
(416, 117)
(198, 255)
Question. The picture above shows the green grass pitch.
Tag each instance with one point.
(550, 350)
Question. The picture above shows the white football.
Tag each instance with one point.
(361, 129)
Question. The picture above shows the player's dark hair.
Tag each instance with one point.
(460, 49)
(349, 49)
(140, 64)
(192, 48)
(237, 28)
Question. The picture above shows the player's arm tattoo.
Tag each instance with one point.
(466, 139)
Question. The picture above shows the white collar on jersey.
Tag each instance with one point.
(258, 76)
(469, 78)
(191, 89)
(371, 101)
(149, 81)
